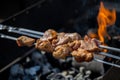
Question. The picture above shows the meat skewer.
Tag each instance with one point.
(102, 53)
(20, 32)
(98, 60)
(37, 34)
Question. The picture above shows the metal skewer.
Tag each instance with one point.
(30, 31)
(8, 37)
(3, 27)
(110, 55)
(95, 59)
(23, 33)
(110, 48)
(105, 62)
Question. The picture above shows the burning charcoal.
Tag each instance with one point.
(80, 75)
(64, 73)
(74, 69)
(16, 70)
(56, 76)
(50, 76)
(46, 69)
(39, 58)
(32, 71)
(87, 75)
(28, 77)
(99, 78)
(59, 76)
(55, 70)
(69, 77)
(81, 69)
(71, 72)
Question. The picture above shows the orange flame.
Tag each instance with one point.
(105, 18)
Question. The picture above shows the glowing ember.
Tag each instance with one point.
(105, 18)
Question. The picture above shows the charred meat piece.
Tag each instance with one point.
(75, 44)
(49, 34)
(89, 44)
(54, 42)
(62, 51)
(82, 55)
(25, 41)
(89, 57)
(44, 46)
(62, 39)
(73, 36)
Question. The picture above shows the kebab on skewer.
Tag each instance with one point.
(63, 44)
(37, 34)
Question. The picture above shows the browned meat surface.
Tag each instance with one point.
(89, 44)
(25, 41)
(44, 46)
(82, 55)
(63, 44)
(54, 42)
(62, 51)
(62, 39)
(73, 36)
(75, 44)
(49, 34)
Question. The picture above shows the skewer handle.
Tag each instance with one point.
(3, 27)
(24, 33)
(8, 37)
(30, 31)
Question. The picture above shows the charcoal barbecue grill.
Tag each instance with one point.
(25, 19)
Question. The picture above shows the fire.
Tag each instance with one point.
(105, 18)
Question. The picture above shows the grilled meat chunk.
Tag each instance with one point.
(75, 44)
(82, 55)
(44, 46)
(73, 36)
(62, 51)
(62, 44)
(49, 34)
(25, 41)
(89, 44)
(62, 39)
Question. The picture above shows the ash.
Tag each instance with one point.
(42, 66)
